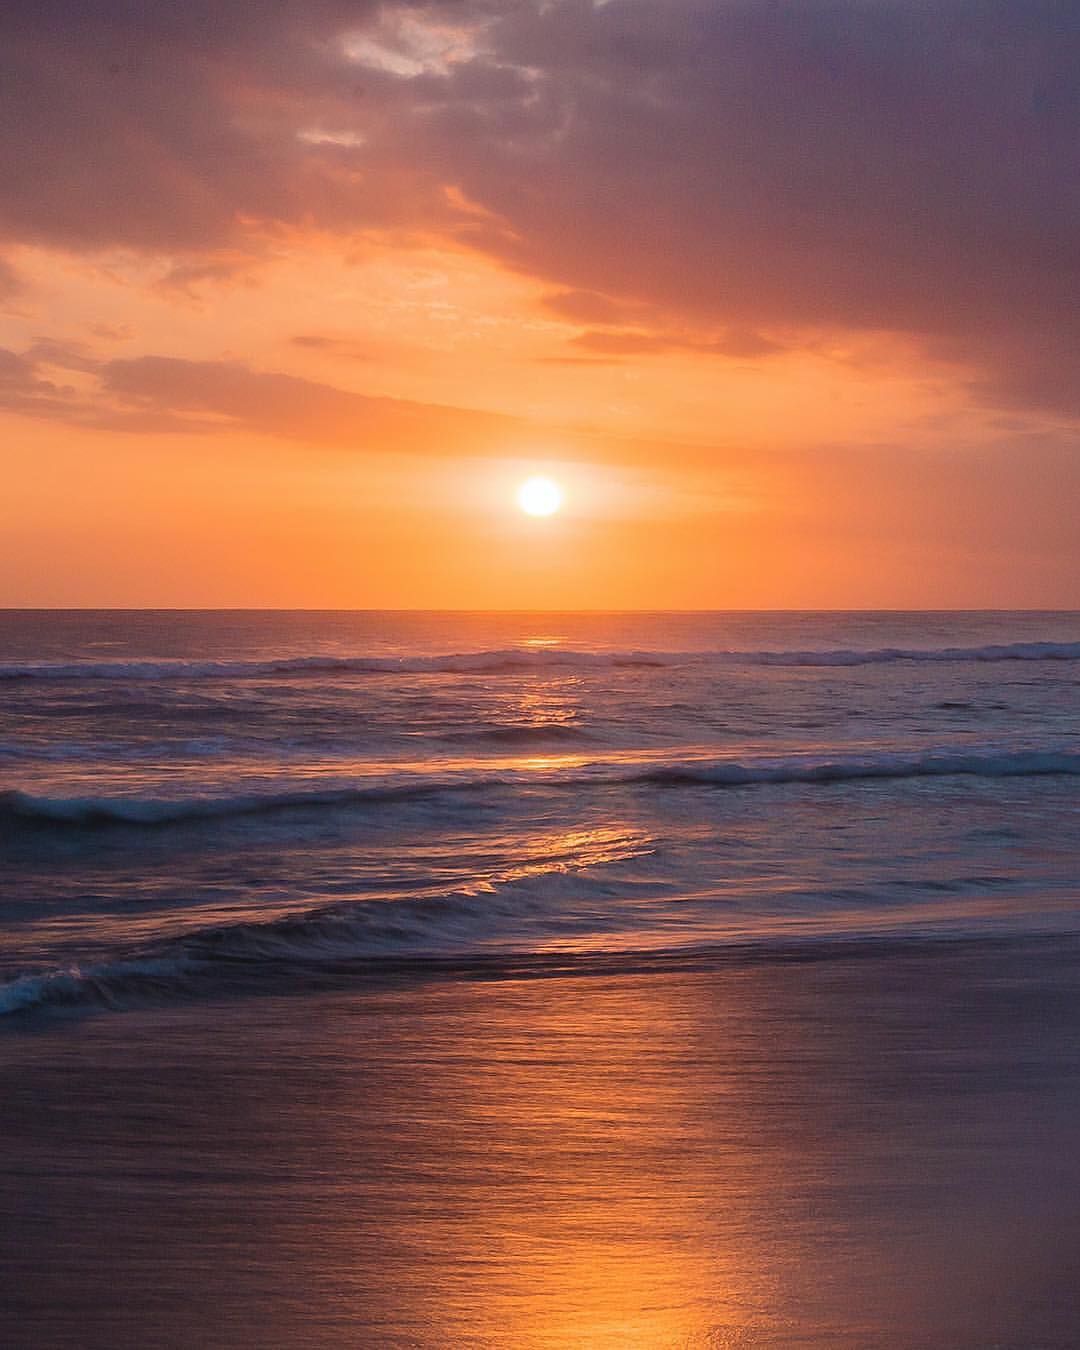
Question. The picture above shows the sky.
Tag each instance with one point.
(783, 293)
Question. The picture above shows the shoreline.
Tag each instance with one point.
(868, 1153)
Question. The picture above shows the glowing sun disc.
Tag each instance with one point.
(539, 497)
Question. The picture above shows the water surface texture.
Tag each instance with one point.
(193, 801)
(499, 980)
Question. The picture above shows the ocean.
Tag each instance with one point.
(429, 979)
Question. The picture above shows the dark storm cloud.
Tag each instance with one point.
(736, 166)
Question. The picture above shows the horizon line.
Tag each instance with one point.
(461, 610)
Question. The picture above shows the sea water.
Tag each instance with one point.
(195, 804)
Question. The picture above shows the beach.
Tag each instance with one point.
(861, 1149)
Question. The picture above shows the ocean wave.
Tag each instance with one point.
(569, 920)
(937, 764)
(103, 985)
(18, 808)
(1010, 651)
(490, 921)
(517, 660)
(508, 661)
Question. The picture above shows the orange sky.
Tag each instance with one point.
(289, 307)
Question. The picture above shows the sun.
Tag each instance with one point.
(539, 496)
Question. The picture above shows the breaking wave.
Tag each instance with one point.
(489, 923)
(19, 808)
(1011, 651)
(509, 661)
(23, 807)
(522, 660)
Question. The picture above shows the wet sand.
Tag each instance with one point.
(875, 1149)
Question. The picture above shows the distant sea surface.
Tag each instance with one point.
(541, 981)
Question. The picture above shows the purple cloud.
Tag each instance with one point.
(737, 168)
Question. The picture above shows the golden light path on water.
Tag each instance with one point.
(742, 1157)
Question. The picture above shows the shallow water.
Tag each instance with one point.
(859, 1151)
